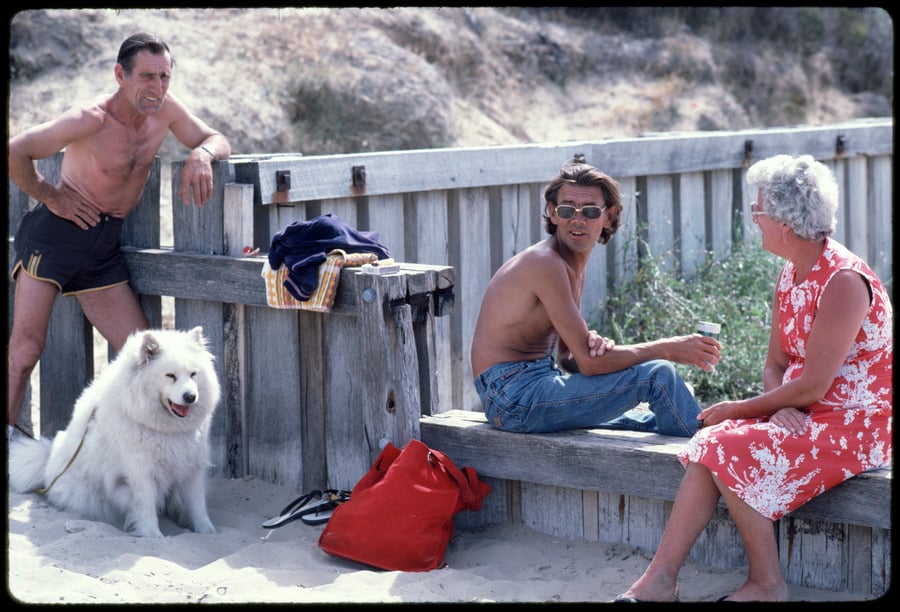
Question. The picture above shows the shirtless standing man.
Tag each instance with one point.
(69, 243)
(532, 307)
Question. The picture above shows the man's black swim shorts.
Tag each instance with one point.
(54, 249)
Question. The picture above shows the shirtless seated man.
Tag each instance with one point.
(537, 366)
(69, 243)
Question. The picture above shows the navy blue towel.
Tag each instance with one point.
(303, 245)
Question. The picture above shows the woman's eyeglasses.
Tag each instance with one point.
(566, 211)
(756, 210)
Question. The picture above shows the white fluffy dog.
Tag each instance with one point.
(138, 441)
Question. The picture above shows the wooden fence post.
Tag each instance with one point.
(228, 436)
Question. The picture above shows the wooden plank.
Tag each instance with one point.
(431, 210)
(611, 516)
(274, 416)
(677, 152)
(855, 201)
(536, 206)
(228, 433)
(423, 325)
(624, 254)
(374, 393)
(227, 439)
(232, 279)
(744, 194)
(862, 500)
(595, 458)
(661, 219)
(330, 176)
(838, 168)
(591, 510)
(201, 230)
(429, 214)
(553, 510)
(386, 215)
(66, 365)
(346, 443)
(206, 276)
(389, 367)
(814, 553)
(859, 559)
(645, 520)
(237, 213)
(470, 254)
(691, 226)
(881, 561)
(569, 459)
(719, 211)
(516, 218)
(880, 192)
(313, 404)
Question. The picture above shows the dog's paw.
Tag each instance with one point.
(146, 531)
(204, 526)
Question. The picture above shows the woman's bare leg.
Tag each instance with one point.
(694, 506)
(765, 581)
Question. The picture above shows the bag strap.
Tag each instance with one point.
(470, 498)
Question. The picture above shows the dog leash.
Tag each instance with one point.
(43, 490)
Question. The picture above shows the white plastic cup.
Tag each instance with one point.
(708, 328)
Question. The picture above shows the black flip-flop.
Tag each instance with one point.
(296, 509)
(322, 513)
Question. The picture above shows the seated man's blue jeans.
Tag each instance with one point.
(538, 397)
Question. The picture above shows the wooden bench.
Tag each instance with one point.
(618, 486)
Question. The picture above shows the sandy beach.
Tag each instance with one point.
(57, 557)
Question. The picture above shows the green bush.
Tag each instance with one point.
(736, 292)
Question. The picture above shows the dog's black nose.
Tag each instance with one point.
(189, 398)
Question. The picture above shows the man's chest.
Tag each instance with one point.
(118, 152)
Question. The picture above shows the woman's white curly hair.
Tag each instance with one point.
(798, 191)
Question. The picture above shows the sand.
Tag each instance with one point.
(58, 557)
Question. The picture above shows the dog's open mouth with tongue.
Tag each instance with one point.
(180, 410)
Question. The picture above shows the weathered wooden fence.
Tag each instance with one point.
(465, 209)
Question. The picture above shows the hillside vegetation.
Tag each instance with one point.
(322, 81)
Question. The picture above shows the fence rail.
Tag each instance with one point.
(467, 208)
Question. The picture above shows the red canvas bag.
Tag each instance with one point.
(400, 513)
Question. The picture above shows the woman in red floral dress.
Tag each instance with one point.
(810, 429)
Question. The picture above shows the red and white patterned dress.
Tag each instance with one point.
(776, 472)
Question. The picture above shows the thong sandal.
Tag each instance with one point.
(297, 508)
(323, 511)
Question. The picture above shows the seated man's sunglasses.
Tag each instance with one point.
(565, 211)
